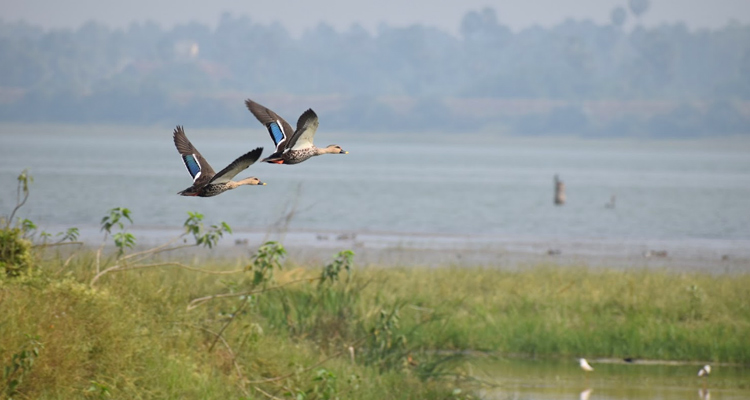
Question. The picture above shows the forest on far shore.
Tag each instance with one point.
(577, 78)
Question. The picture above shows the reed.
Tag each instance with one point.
(551, 311)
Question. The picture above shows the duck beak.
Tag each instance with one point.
(261, 183)
(343, 152)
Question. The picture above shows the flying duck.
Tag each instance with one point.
(206, 182)
(292, 146)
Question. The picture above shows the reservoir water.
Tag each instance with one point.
(431, 188)
(562, 379)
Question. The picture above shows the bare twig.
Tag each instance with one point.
(242, 308)
(45, 245)
(197, 302)
(237, 368)
(65, 264)
(229, 349)
(159, 248)
(263, 392)
(146, 255)
(121, 268)
(223, 328)
(183, 266)
(319, 363)
(290, 210)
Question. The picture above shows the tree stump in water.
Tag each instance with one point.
(559, 192)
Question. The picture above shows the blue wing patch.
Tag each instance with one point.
(192, 165)
(277, 133)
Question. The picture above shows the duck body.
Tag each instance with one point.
(213, 189)
(207, 183)
(292, 156)
(209, 190)
(292, 146)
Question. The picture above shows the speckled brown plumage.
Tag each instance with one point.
(292, 147)
(207, 183)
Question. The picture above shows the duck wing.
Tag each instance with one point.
(196, 165)
(237, 166)
(307, 125)
(278, 128)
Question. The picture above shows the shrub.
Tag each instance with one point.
(15, 252)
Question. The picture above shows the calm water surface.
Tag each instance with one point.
(542, 380)
(694, 192)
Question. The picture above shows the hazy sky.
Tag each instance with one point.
(299, 15)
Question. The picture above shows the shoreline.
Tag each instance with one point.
(393, 249)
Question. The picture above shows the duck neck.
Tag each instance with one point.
(325, 150)
(246, 181)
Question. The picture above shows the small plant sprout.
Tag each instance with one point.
(266, 259)
(21, 364)
(325, 387)
(99, 390)
(22, 194)
(205, 237)
(121, 239)
(342, 260)
(114, 218)
(386, 344)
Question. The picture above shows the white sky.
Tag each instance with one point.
(299, 15)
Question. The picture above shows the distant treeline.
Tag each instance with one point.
(575, 78)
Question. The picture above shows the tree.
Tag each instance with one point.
(618, 16)
(482, 26)
(639, 7)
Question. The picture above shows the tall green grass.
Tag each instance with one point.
(552, 311)
(132, 335)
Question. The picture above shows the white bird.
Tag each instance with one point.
(705, 370)
(585, 365)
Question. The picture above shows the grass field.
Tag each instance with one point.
(285, 331)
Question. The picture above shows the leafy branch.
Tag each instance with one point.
(204, 237)
(123, 241)
(24, 179)
(266, 259)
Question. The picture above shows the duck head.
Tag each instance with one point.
(251, 181)
(335, 149)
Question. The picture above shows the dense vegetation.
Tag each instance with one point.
(577, 77)
(146, 323)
